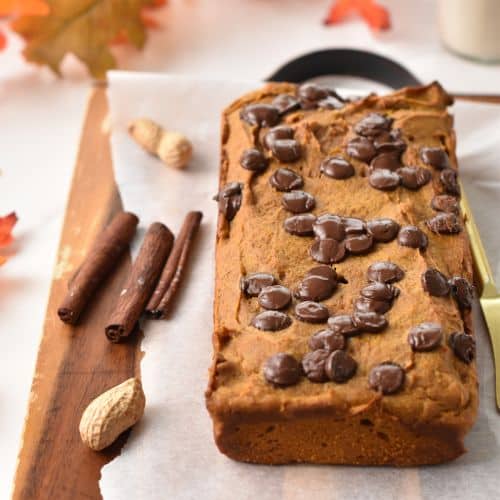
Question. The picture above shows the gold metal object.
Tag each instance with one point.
(490, 297)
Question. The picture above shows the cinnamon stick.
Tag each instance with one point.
(171, 276)
(140, 284)
(99, 262)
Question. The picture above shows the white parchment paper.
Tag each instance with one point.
(171, 453)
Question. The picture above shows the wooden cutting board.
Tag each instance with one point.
(76, 364)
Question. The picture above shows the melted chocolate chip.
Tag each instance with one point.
(311, 312)
(337, 168)
(312, 95)
(342, 324)
(383, 229)
(387, 378)
(252, 284)
(329, 226)
(229, 199)
(359, 244)
(445, 203)
(313, 365)
(445, 223)
(327, 339)
(388, 161)
(284, 179)
(276, 133)
(286, 150)
(340, 366)
(385, 272)
(275, 297)
(282, 370)
(413, 237)
(371, 322)
(372, 125)
(436, 157)
(271, 321)
(327, 251)
(414, 177)
(354, 225)
(298, 202)
(389, 142)
(262, 115)
(361, 148)
(315, 288)
(384, 179)
(449, 180)
(435, 283)
(425, 337)
(462, 292)
(300, 225)
(253, 159)
(364, 305)
(330, 102)
(285, 103)
(323, 271)
(380, 291)
(463, 345)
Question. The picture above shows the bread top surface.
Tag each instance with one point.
(438, 386)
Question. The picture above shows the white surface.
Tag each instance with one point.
(171, 454)
(41, 120)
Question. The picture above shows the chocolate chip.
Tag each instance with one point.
(229, 198)
(327, 251)
(384, 179)
(271, 321)
(340, 366)
(445, 223)
(388, 161)
(436, 157)
(353, 225)
(380, 291)
(323, 271)
(282, 370)
(361, 148)
(327, 339)
(311, 312)
(359, 244)
(298, 201)
(330, 102)
(425, 337)
(313, 365)
(279, 132)
(284, 179)
(342, 324)
(413, 237)
(252, 284)
(445, 203)
(364, 305)
(275, 297)
(286, 150)
(387, 378)
(463, 345)
(385, 272)
(383, 229)
(414, 177)
(337, 168)
(449, 180)
(371, 322)
(310, 94)
(253, 159)
(435, 283)
(262, 115)
(329, 226)
(373, 124)
(462, 292)
(300, 225)
(285, 103)
(389, 142)
(315, 288)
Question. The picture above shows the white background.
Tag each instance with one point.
(41, 116)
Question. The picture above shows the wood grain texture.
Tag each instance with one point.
(76, 364)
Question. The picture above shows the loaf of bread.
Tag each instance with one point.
(342, 320)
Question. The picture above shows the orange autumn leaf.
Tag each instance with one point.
(374, 14)
(7, 223)
(85, 28)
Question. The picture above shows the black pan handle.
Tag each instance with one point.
(349, 62)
